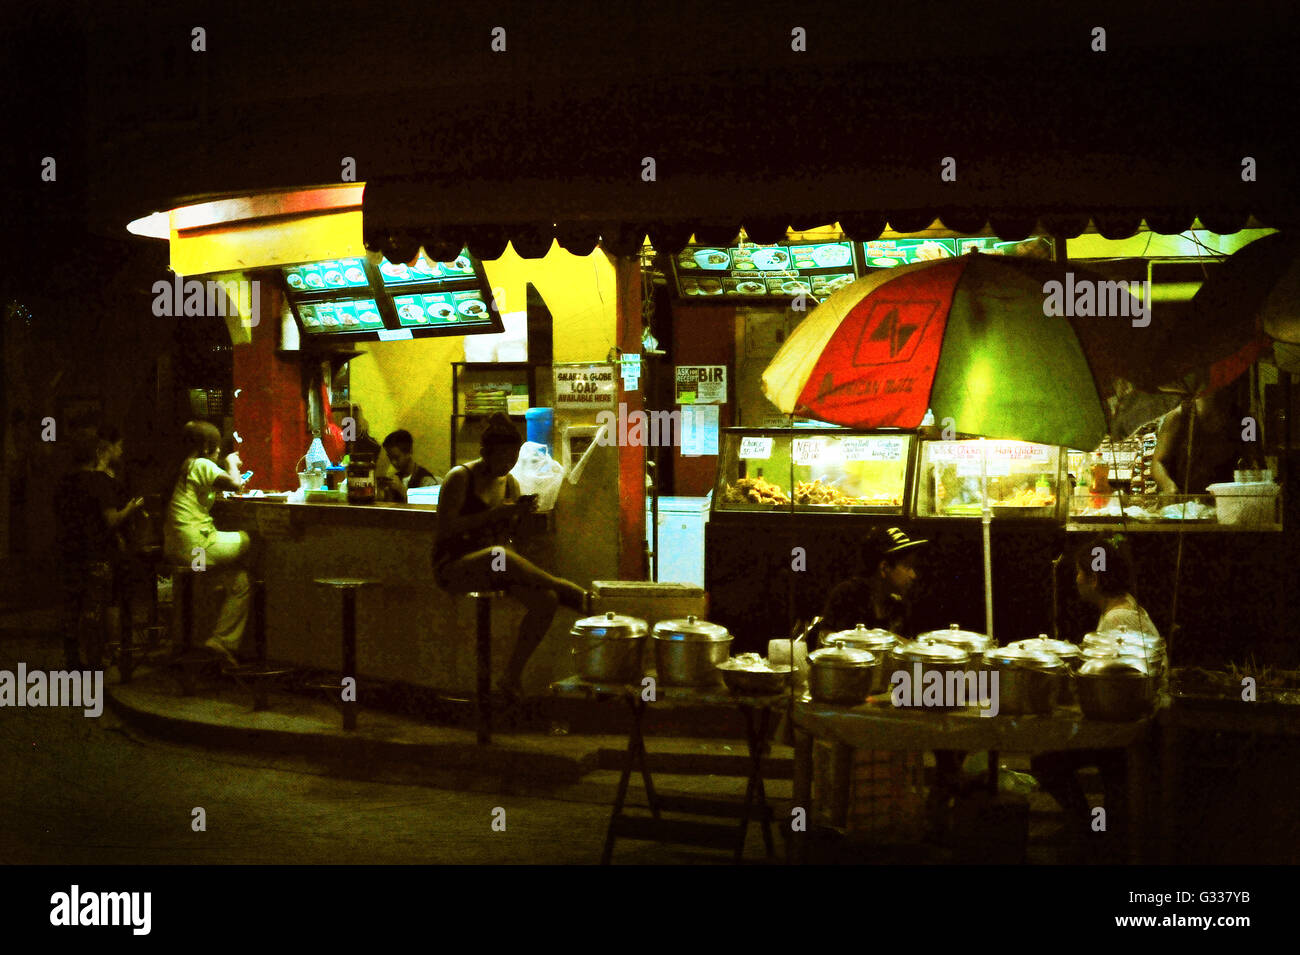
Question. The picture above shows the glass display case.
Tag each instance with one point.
(814, 470)
(1023, 480)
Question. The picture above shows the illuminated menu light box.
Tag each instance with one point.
(357, 299)
(888, 253)
(751, 271)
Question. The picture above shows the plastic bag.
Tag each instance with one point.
(539, 473)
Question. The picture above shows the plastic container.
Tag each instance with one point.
(541, 426)
(1252, 503)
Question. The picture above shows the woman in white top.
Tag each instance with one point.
(1104, 578)
(190, 537)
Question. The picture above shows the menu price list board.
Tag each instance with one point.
(816, 269)
(441, 308)
(326, 276)
(424, 270)
(340, 316)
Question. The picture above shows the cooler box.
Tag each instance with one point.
(681, 538)
(650, 601)
(1254, 503)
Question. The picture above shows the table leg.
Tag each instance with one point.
(842, 760)
(635, 755)
(764, 730)
(1138, 765)
(802, 792)
(642, 757)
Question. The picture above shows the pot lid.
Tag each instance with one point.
(1043, 643)
(691, 630)
(1115, 666)
(958, 637)
(865, 638)
(926, 650)
(611, 626)
(842, 658)
(1122, 643)
(1028, 658)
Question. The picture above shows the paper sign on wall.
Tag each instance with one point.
(699, 430)
(701, 384)
(587, 387)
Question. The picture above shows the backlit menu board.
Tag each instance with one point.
(748, 270)
(887, 253)
(356, 298)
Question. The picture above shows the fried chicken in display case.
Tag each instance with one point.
(1024, 479)
(823, 470)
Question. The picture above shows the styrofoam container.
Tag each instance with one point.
(1253, 502)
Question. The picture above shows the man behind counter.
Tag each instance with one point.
(880, 598)
(406, 473)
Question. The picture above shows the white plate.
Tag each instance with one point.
(354, 274)
(333, 277)
(411, 313)
(314, 280)
(770, 260)
(471, 308)
(751, 288)
(831, 256)
(294, 280)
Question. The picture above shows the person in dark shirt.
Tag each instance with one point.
(877, 599)
(88, 516)
(399, 447)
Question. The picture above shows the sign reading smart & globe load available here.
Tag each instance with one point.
(585, 387)
(701, 384)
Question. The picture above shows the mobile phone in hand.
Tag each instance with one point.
(245, 476)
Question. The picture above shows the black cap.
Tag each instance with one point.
(893, 540)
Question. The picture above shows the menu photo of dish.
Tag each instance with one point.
(470, 306)
(744, 285)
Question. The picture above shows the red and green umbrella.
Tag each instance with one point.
(970, 338)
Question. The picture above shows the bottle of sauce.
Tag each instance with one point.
(361, 480)
(1100, 480)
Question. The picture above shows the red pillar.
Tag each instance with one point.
(271, 407)
(631, 461)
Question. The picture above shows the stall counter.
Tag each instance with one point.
(408, 629)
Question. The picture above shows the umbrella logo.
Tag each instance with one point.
(892, 332)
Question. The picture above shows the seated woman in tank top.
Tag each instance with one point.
(479, 504)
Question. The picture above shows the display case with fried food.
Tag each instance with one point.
(755, 491)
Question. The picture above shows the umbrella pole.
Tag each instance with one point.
(986, 519)
(1182, 530)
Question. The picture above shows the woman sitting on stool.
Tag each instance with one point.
(189, 527)
(479, 504)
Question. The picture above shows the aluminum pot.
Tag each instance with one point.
(609, 648)
(1068, 652)
(968, 640)
(929, 656)
(687, 652)
(1148, 647)
(879, 643)
(842, 675)
(1116, 689)
(1029, 680)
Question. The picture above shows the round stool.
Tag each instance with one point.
(483, 658)
(183, 575)
(348, 586)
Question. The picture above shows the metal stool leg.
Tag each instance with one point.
(187, 612)
(259, 621)
(350, 655)
(483, 646)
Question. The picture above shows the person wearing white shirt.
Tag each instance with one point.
(190, 532)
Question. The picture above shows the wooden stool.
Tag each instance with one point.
(349, 587)
(483, 657)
